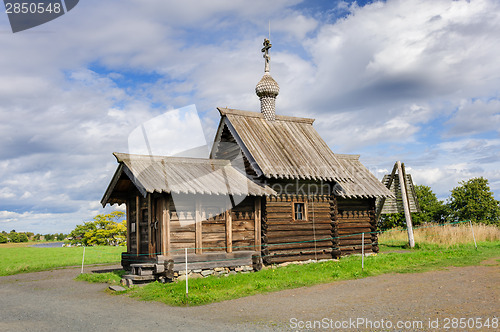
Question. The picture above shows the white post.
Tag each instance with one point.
(473, 236)
(362, 251)
(83, 258)
(186, 259)
(406, 207)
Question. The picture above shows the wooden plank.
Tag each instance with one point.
(302, 251)
(184, 236)
(178, 247)
(229, 231)
(297, 227)
(368, 242)
(285, 221)
(165, 226)
(257, 223)
(325, 243)
(198, 228)
(243, 245)
(129, 242)
(310, 233)
(213, 228)
(296, 239)
(176, 227)
(137, 230)
(343, 232)
(150, 216)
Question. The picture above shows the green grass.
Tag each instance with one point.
(21, 259)
(112, 278)
(216, 289)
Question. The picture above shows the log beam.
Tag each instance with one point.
(137, 232)
(198, 232)
(165, 242)
(229, 231)
(257, 225)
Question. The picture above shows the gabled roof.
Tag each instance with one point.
(363, 185)
(288, 147)
(160, 174)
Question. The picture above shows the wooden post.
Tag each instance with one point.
(150, 217)
(165, 236)
(406, 205)
(257, 225)
(229, 231)
(137, 232)
(198, 231)
(128, 225)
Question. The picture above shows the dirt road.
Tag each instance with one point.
(53, 301)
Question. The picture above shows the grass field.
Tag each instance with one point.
(20, 258)
(443, 236)
(216, 289)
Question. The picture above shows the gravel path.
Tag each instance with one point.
(53, 301)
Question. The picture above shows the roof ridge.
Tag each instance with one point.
(121, 156)
(232, 111)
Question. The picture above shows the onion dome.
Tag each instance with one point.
(267, 89)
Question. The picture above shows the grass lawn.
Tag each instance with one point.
(215, 289)
(20, 258)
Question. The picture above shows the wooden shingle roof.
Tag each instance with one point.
(394, 204)
(160, 174)
(363, 183)
(287, 148)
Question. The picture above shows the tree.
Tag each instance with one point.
(3, 238)
(103, 230)
(23, 237)
(14, 236)
(473, 200)
(432, 210)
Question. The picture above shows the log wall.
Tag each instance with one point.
(243, 222)
(285, 239)
(182, 215)
(356, 216)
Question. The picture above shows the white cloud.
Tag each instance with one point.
(473, 117)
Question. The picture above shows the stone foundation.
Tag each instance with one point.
(217, 271)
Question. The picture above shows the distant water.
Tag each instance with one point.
(48, 245)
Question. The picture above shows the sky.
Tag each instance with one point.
(415, 81)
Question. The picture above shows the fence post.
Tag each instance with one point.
(362, 251)
(473, 236)
(83, 258)
(187, 289)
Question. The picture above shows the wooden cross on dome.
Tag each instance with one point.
(267, 45)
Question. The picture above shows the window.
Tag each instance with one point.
(299, 211)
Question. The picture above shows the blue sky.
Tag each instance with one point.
(416, 81)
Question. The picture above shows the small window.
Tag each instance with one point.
(299, 210)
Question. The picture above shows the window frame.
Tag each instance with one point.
(304, 212)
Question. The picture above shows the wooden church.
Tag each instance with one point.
(271, 189)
